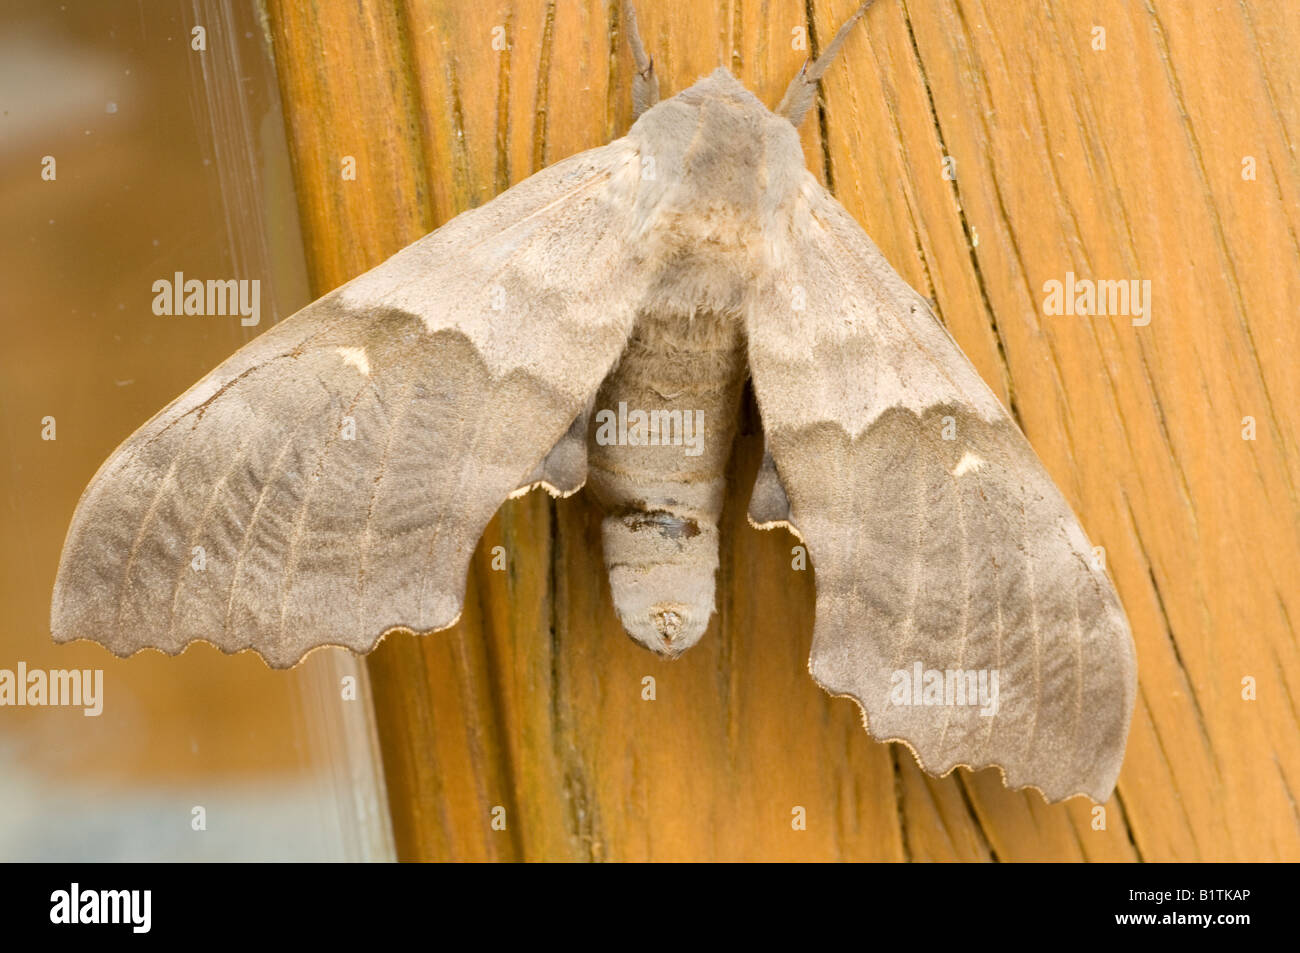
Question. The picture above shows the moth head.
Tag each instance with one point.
(721, 162)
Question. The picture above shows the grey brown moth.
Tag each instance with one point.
(338, 470)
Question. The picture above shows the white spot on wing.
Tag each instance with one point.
(969, 462)
(355, 356)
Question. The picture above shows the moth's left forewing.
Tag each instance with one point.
(329, 481)
(957, 603)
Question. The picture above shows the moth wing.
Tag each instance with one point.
(329, 481)
(943, 551)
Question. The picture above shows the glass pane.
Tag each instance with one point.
(128, 155)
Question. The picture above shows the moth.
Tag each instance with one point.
(337, 471)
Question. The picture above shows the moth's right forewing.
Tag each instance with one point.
(942, 549)
(331, 479)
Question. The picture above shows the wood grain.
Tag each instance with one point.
(1117, 163)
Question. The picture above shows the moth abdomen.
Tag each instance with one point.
(660, 437)
(661, 576)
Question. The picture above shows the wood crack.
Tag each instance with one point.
(579, 799)
(1201, 722)
(541, 121)
(1008, 384)
(899, 811)
(501, 181)
(977, 826)
(1128, 825)
(823, 122)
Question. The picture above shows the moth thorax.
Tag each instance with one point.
(661, 575)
